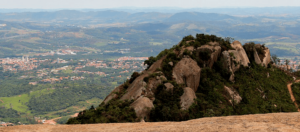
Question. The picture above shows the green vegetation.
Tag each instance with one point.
(166, 104)
(114, 111)
(212, 99)
(62, 98)
(13, 116)
(296, 92)
(65, 97)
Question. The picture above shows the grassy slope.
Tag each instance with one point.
(24, 98)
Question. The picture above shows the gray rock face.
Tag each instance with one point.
(142, 107)
(187, 72)
(187, 99)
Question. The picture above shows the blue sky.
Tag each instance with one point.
(98, 4)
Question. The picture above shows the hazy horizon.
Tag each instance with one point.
(93, 4)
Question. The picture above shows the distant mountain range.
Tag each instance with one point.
(172, 10)
(113, 16)
(154, 27)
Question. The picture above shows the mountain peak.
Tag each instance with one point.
(201, 76)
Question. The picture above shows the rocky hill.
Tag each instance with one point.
(202, 76)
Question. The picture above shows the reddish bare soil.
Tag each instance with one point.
(275, 122)
(289, 86)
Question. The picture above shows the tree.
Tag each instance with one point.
(92, 107)
(150, 61)
(298, 68)
(275, 59)
(287, 62)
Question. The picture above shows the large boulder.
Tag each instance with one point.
(152, 85)
(267, 58)
(214, 50)
(233, 59)
(264, 57)
(187, 99)
(229, 64)
(187, 72)
(135, 89)
(169, 87)
(256, 58)
(234, 95)
(240, 53)
(189, 49)
(138, 86)
(142, 107)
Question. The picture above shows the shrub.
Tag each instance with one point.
(188, 38)
(167, 105)
(114, 111)
(133, 76)
(150, 61)
(146, 79)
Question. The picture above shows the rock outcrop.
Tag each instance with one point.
(187, 99)
(189, 49)
(173, 79)
(267, 58)
(113, 94)
(214, 50)
(142, 107)
(235, 58)
(234, 95)
(263, 57)
(240, 53)
(256, 58)
(138, 86)
(230, 64)
(187, 72)
(169, 86)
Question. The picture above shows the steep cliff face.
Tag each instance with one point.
(188, 81)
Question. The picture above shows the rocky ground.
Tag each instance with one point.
(275, 122)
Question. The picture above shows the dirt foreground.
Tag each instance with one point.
(274, 122)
